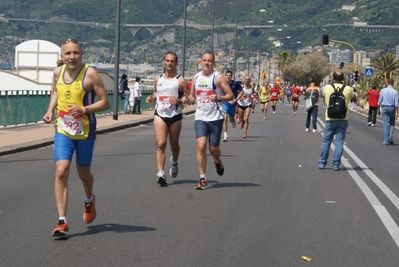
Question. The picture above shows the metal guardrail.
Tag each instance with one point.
(29, 106)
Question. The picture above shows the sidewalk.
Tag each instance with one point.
(15, 139)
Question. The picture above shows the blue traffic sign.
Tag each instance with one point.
(368, 72)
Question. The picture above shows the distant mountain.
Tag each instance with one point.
(297, 24)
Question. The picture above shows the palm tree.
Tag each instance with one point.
(386, 66)
(285, 58)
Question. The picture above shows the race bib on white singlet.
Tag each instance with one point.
(70, 124)
(204, 100)
(164, 102)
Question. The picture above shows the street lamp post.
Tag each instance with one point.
(117, 47)
(235, 42)
(249, 47)
(184, 39)
(213, 24)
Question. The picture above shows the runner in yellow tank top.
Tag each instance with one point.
(73, 89)
(77, 127)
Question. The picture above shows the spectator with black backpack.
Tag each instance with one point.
(125, 93)
(337, 96)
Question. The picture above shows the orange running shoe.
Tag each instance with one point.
(61, 229)
(202, 184)
(89, 213)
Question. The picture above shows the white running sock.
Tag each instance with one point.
(62, 218)
(89, 200)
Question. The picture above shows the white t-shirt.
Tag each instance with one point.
(136, 88)
(165, 89)
(204, 87)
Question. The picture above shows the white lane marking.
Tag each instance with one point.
(381, 211)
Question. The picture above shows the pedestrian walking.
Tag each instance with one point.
(313, 93)
(335, 127)
(388, 107)
(372, 96)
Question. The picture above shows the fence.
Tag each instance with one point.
(28, 106)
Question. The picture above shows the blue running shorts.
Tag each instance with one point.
(213, 129)
(229, 109)
(64, 147)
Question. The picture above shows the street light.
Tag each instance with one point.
(213, 24)
(184, 39)
(250, 27)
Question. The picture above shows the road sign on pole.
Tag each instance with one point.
(368, 72)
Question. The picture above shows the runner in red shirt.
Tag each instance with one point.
(295, 93)
(275, 93)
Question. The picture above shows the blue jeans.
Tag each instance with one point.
(126, 95)
(312, 112)
(333, 128)
(388, 117)
(137, 105)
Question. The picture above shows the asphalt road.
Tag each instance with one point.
(271, 207)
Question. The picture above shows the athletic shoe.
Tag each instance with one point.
(90, 211)
(202, 184)
(390, 142)
(233, 124)
(274, 112)
(368, 124)
(314, 131)
(372, 125)
(162, 180)
(307, 129)
(264, 117)
(335, 168)
(253, 111)
(174, 169)
(294, 112)
(219, 167)
(321, 166)
(61, 229)
(225, 139)
(244, 135)
(241, 125)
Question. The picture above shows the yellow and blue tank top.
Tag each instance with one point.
(73, 93)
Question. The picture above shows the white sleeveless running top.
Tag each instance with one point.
(205, 87)
(247, 97)
(165, 89)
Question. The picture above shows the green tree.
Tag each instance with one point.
(386, 66)
(308, 68)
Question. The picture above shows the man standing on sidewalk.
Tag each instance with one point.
(210, 88)
(388, 102)
(335, 127)
(372, 96)
(74, 88)
(137, 97)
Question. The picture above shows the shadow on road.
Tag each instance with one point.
(109, 227)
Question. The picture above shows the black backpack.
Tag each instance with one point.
(337, 105)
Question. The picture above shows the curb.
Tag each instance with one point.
(49, 141)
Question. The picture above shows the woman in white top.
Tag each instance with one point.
(245, 105)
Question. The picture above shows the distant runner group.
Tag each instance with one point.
(219, 100)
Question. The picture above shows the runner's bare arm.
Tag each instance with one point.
(221, 83)
(47, 118)
(94, 82)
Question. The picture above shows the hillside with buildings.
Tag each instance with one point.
(151, 28)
